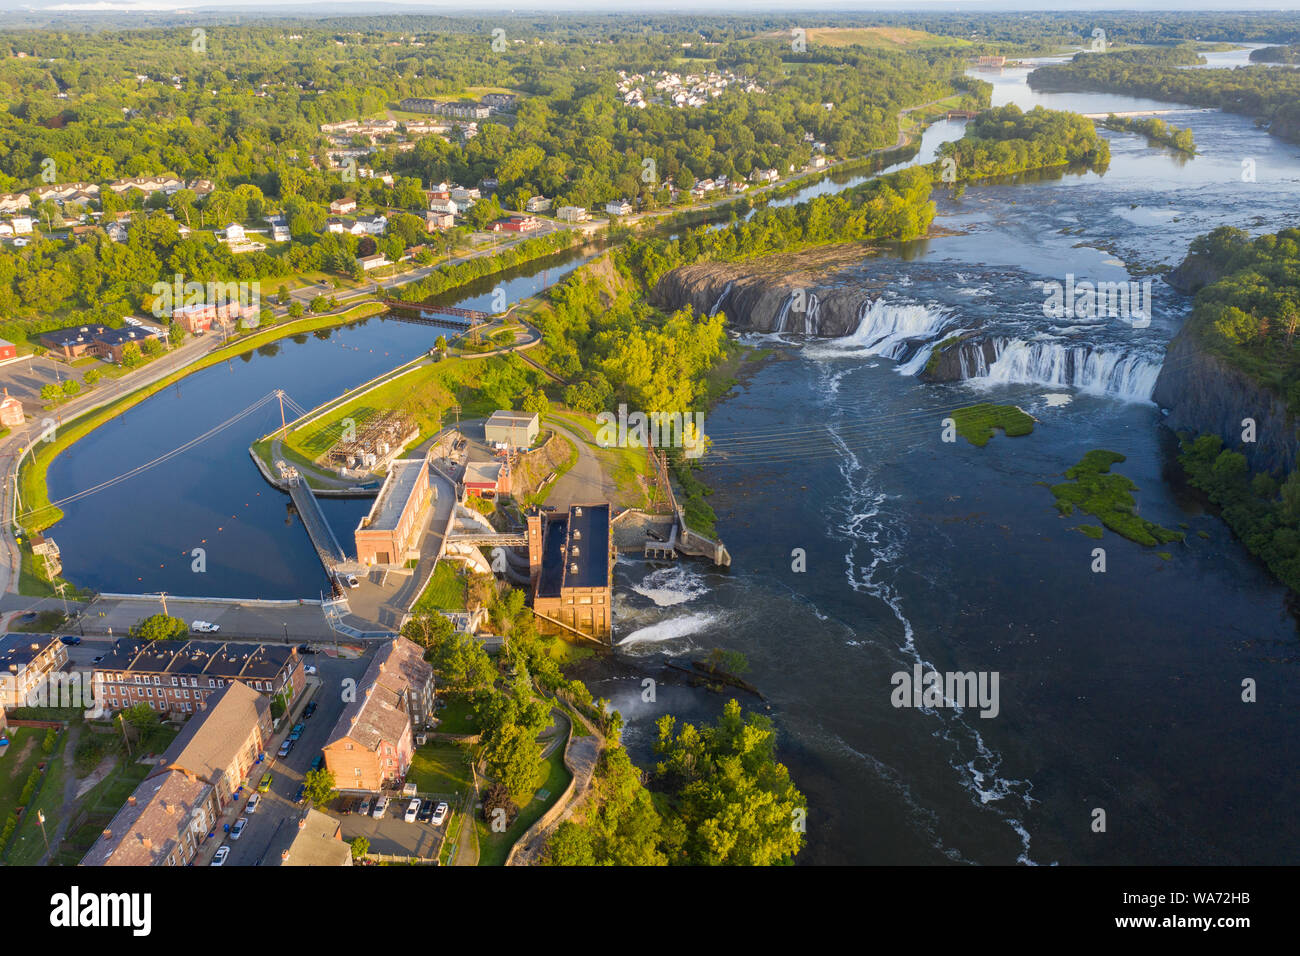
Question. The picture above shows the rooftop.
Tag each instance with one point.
(18, 650)
(379, 712)
(318, 843)
(222, 659)
(209, 741)
(387, 510)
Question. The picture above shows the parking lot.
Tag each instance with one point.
(393, 835)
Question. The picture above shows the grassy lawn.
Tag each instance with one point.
(444, 592)
(441, 768)
(495, 847)
(425, 392)
(457, 717)
(28, 845)
(23, 754)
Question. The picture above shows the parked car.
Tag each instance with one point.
(205, 627)
(98, 659)
(301, 794)
(71, 641)
(219, 858)
(309, 710)
(309, 670)
(426, 811)
(412, 810)
(353, 582)
(306, 649)
(265, 785)
(285, 748)
(381, 807)
(238, 828)
(364, 809)
(29, 615)
(439, 815)
(253, 801)
(296, 733)
(317, 761)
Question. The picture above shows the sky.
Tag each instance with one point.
(316, 7)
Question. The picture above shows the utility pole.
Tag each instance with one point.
(163, 596)
(40, 817)
(62, 587)
(121, 718)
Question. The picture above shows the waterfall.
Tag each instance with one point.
(785, 313)
(1117, 373)
(888, 330)
(811, 319)
(722, 298)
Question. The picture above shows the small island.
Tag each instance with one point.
(1157, 132)
(1094, 490)
(975, 423)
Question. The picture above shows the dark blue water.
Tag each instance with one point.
(137, 535)
(1120, 691)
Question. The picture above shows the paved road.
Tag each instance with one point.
(272, 828)
(586, 481)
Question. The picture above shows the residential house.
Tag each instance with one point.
(26, 660)
(572, 214)
(11, 411)
(178, 677)
(318, 842)
(537, 204)
(166, 819)
(378, 260)
(438, 220)
(14, 202)
(618, 207)
(344, 205)
(447, 206)
(371, 745)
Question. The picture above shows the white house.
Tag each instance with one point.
(445, 206)
(375, 225)
(373, 262)
(235, 232)
(537, 204)
(618, 207)
(572, 214)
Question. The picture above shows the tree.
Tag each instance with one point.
(735, 803)
(295, 309)
(360, 847)
(319, 786)
(498, 809)
(160, 627)
(71, 387)
(131, 356)
(51, 392)
(92, 376)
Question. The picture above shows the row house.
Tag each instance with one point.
(371, 745)
(14, 202)
(196, 779)
(25, 662)
(67, 192)
(178, 677)
(198, 318)
(168, 185)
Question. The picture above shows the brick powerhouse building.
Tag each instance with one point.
(178, 677)
(570, 567)
(370, 746)
(390, 534)
(165, 820)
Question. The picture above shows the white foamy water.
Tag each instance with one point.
(670, 629)
(1100, 371)
(671, 586)
(890, 330)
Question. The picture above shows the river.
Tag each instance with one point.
(1119, 691)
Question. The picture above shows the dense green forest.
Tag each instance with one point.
(1276, 54)
(1249, 317)
(1007, 140)
(1270, 95)
(240, 106)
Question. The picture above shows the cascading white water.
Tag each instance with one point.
(785, 313)
(722, 298)
(812, 320)
(1117, 373)
(886, 330)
